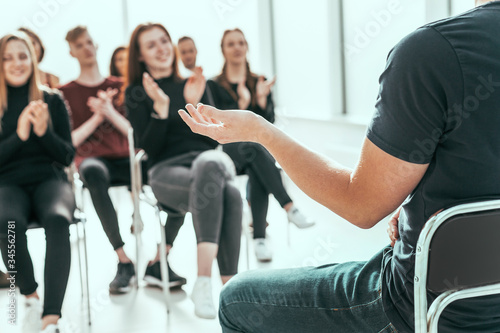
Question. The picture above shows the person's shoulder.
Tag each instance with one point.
(112, 82)
(133, 87)
(68, 86)
(52, 97)
(423, 44)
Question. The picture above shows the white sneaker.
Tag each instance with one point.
(202, 298)
(51, 329)
(32, 322)
(262, 249)
(297, 218)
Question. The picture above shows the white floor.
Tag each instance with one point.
(143, 310)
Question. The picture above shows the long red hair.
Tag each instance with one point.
(136, 68)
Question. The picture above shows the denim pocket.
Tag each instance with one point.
(389, 329)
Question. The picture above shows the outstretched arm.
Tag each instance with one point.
(363, 196)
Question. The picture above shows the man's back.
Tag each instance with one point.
(439, 103)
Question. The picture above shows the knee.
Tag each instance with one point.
(93, 172)
(231, 290)
(56, 223)
(214, 162)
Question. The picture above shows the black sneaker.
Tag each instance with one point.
(125, 277)
(153, 277)
(4, 283)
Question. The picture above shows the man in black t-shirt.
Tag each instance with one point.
(432, 143)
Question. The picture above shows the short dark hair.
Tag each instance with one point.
(185, 38)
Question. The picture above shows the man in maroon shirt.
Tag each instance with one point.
(100, 137)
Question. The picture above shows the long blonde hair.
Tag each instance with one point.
(35, 87)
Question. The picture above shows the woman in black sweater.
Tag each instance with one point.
(238, 88)
(185, 172)
(35, 146)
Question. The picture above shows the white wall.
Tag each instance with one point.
(372, 28)
(203, 20)
(460, 6)
(307, 39)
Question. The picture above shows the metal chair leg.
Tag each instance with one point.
(86, 270)
(247, 240)
(163, 261)
(78, 239)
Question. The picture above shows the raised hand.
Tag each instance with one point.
(225, 126)
(24, 123)
(263, 89)
(39, 117)
(392, 229)
(96, 106)
(195, 87)
(244, 96)
(161, 101)
(102, 105)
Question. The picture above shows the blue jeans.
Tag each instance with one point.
(336, 298)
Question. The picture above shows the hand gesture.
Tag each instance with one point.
(263, 88)
(392, 229)
(244, 96)
(102, 105)
(225, 126)
(24, 123)
(40, 117)
(195, 87)
(161, 102)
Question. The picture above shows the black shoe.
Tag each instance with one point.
(4, 283)
(153, 277)
(124, 279)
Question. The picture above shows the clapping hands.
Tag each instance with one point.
(35, 115)
(102, 105)
(195, 87)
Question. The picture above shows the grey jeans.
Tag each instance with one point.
(202, 183)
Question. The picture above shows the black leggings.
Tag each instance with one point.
(98, 174)
(52, 204)
(264, 178)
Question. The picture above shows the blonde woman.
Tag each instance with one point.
(35, 146)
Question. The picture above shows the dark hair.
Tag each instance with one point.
(251, 78)
(32, 34)
(136, 68)
(113, 70)
(183, 39)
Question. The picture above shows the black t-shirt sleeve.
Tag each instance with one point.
(421, 81)
(57, 139)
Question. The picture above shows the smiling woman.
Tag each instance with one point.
(35, 146)
(186, 173)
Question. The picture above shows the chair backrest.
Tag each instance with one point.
(457, 256)
(465, 252)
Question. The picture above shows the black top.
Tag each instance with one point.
(439, 103)
(38, 158)
(224, 101)
(163, 138)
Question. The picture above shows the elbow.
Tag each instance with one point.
(70, 156)
(363, 219)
